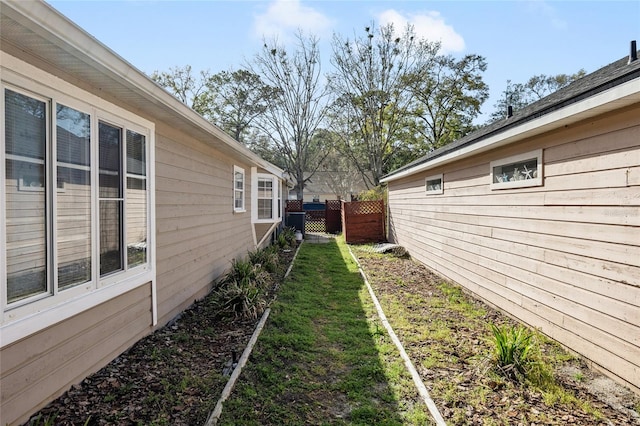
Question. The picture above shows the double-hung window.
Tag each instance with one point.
(76, 199)
(267, 199)
(238, 189)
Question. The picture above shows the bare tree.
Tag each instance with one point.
(296, 107)
(372, 103)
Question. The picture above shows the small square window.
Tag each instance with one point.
(433, 185)
(517, 171)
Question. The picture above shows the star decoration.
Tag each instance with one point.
(527, 173)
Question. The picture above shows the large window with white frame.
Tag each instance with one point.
(517, 171)
(267, 199)
(76, 198)
(238, 189)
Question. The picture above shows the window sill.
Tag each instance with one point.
(26, 320)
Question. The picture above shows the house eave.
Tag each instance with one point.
(620, 96)
(35, 30)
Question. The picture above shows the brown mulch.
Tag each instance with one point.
(175, 375)
(171, 377)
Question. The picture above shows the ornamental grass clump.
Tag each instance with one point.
(266, 259)
(242, 291)
(287, 237)
(513, 351)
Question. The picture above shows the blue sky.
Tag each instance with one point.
(519, 39)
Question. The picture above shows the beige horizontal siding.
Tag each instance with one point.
(564, 256)
(42, 367)
(198, 234)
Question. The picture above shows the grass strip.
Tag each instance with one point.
(323, 357)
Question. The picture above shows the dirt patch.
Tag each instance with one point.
(452, 353)
(171, 377)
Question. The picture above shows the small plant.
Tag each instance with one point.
(578, 377)
(287, 237)
(266, 258)
(513, 351)
(241, 301)
(242, 272)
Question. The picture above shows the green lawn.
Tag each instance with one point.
(323, 358)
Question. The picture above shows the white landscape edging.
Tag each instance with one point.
(226, 392)
(422, 389)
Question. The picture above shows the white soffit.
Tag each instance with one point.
(38, 29)
(617, 97)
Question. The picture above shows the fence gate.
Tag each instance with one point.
(316, 220)
(319, 217)
(333, 216)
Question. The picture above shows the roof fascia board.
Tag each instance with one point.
(617, 97)
(49, 23)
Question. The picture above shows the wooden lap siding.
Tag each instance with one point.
(198, 235)
(38, 369)
(564, 256)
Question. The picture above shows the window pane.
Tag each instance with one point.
(25, 124)
(136, 154)
(239, 179)
(110, 236)
(514, 172)
(72, 132)
(74, 197)
(111, 201)
(238, 200)
(25, 136)
(265, 208)
(265, 188)
(434, 185)
(110, 161)
(136, 221)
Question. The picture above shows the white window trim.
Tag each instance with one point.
(276, 216)
(237, 169)
(535, 181)
(434, 191)
(24, 319)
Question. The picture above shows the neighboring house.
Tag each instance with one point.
(539, 215)
(331, 185)
(120, 206)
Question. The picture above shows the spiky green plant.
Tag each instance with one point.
(288, 236)
(266, 258)
(239, 300)
(242, 271)
(513, 350)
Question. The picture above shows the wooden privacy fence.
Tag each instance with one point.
(363, 222)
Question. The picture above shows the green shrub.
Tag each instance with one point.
(240, 300)
(513, 351)
(266, 258)
(377, 193)
(287, 237)
(243, 272)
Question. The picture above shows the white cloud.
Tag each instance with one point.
(283, 18)
(428, 25)
(549, 12)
